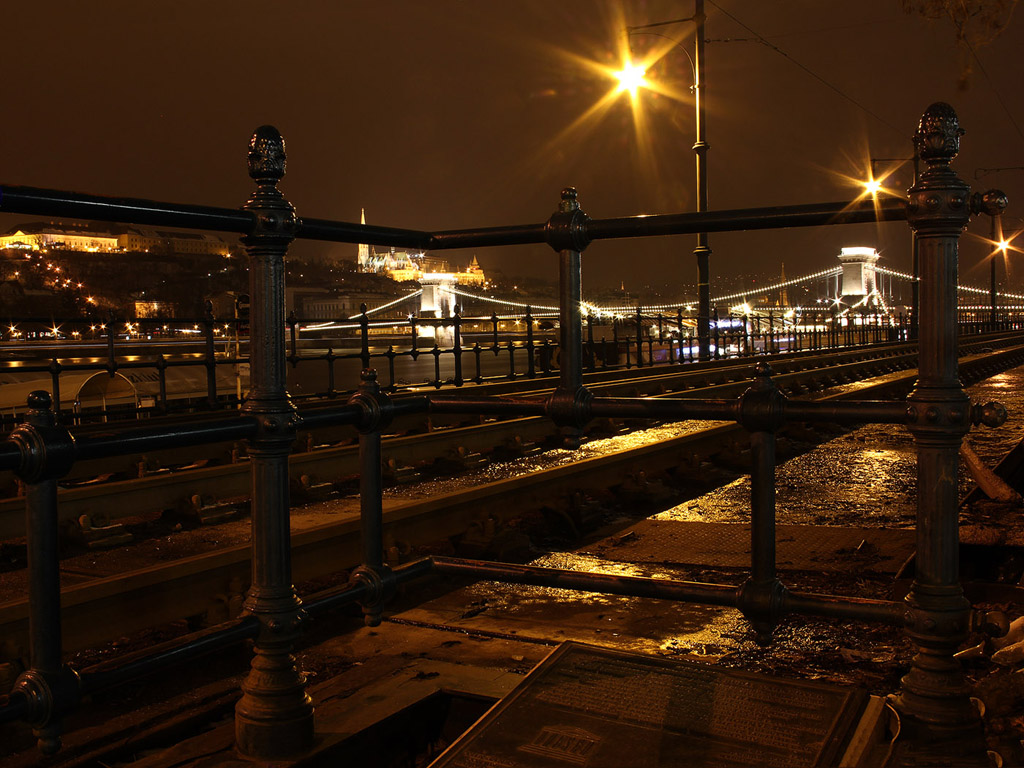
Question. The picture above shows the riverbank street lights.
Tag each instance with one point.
(632, 78)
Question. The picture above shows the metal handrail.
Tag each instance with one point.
(126, 210)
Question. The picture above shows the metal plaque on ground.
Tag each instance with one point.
(599, 708)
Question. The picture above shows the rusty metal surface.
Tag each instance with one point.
(727, 545)
(594, 707)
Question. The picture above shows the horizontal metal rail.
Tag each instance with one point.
(176, 489)
(827, 606)
(49, 202)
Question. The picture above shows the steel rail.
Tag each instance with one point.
(114, 606)
(181, 650)
(173, 490)
(827, 606)
(667, 379)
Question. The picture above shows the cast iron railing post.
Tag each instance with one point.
(293, 338)
(210, 358)
(371, 488)
(994, 203)
(934, 695)
(364, 336)
(761, 595)
(55, 369)
(716, 336)
(531, 363)
(591, 360)
(457, 346)
(111, 356)
(566, 405)
(274, 717)
(49, 686)
(639, 339)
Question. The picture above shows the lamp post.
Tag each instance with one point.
(995, 207)
(700, 147)
(873, 186)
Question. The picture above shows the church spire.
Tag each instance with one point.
(363, 260)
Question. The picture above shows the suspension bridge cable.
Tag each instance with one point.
(382, 307)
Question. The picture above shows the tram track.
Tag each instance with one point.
(113, 606)
(200, 481)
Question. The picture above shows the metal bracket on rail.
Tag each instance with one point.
(566, 229)
(48, 696)
(991, 414)
(993, 202)
(569, 409)
(763, 405)
(379, 583)
(373, 402)
(47, 449)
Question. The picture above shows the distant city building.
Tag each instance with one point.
(153, 309)
(90, 239)
(404, 266)
(332, 304)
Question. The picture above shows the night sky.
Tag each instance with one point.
(445, 114)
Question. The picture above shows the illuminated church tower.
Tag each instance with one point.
(364, 249)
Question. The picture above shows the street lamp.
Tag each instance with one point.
(1001, 246)
(995, 203)
(876, 182)
(700, 147)
(631, 77)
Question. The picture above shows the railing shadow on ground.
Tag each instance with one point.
(274, 717)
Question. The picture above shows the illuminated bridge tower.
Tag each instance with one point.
(860, 280)
(437, 300)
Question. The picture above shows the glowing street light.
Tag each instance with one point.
(873, 187)
(631, 77)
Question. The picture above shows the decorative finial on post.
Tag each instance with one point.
(275, 216)
(938, 134)
(569, 202)
(39, 400)
(267, 158)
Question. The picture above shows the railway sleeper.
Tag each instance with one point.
(311, 488)
(206, 511)
(492, 538)
(96, 532)
(394, 472)
(457, 460)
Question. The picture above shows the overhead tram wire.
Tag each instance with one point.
(995, 90)
(764, 41)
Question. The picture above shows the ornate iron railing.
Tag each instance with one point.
(274, 717)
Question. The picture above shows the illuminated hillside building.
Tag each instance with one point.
(38, 236)
(404, 266)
